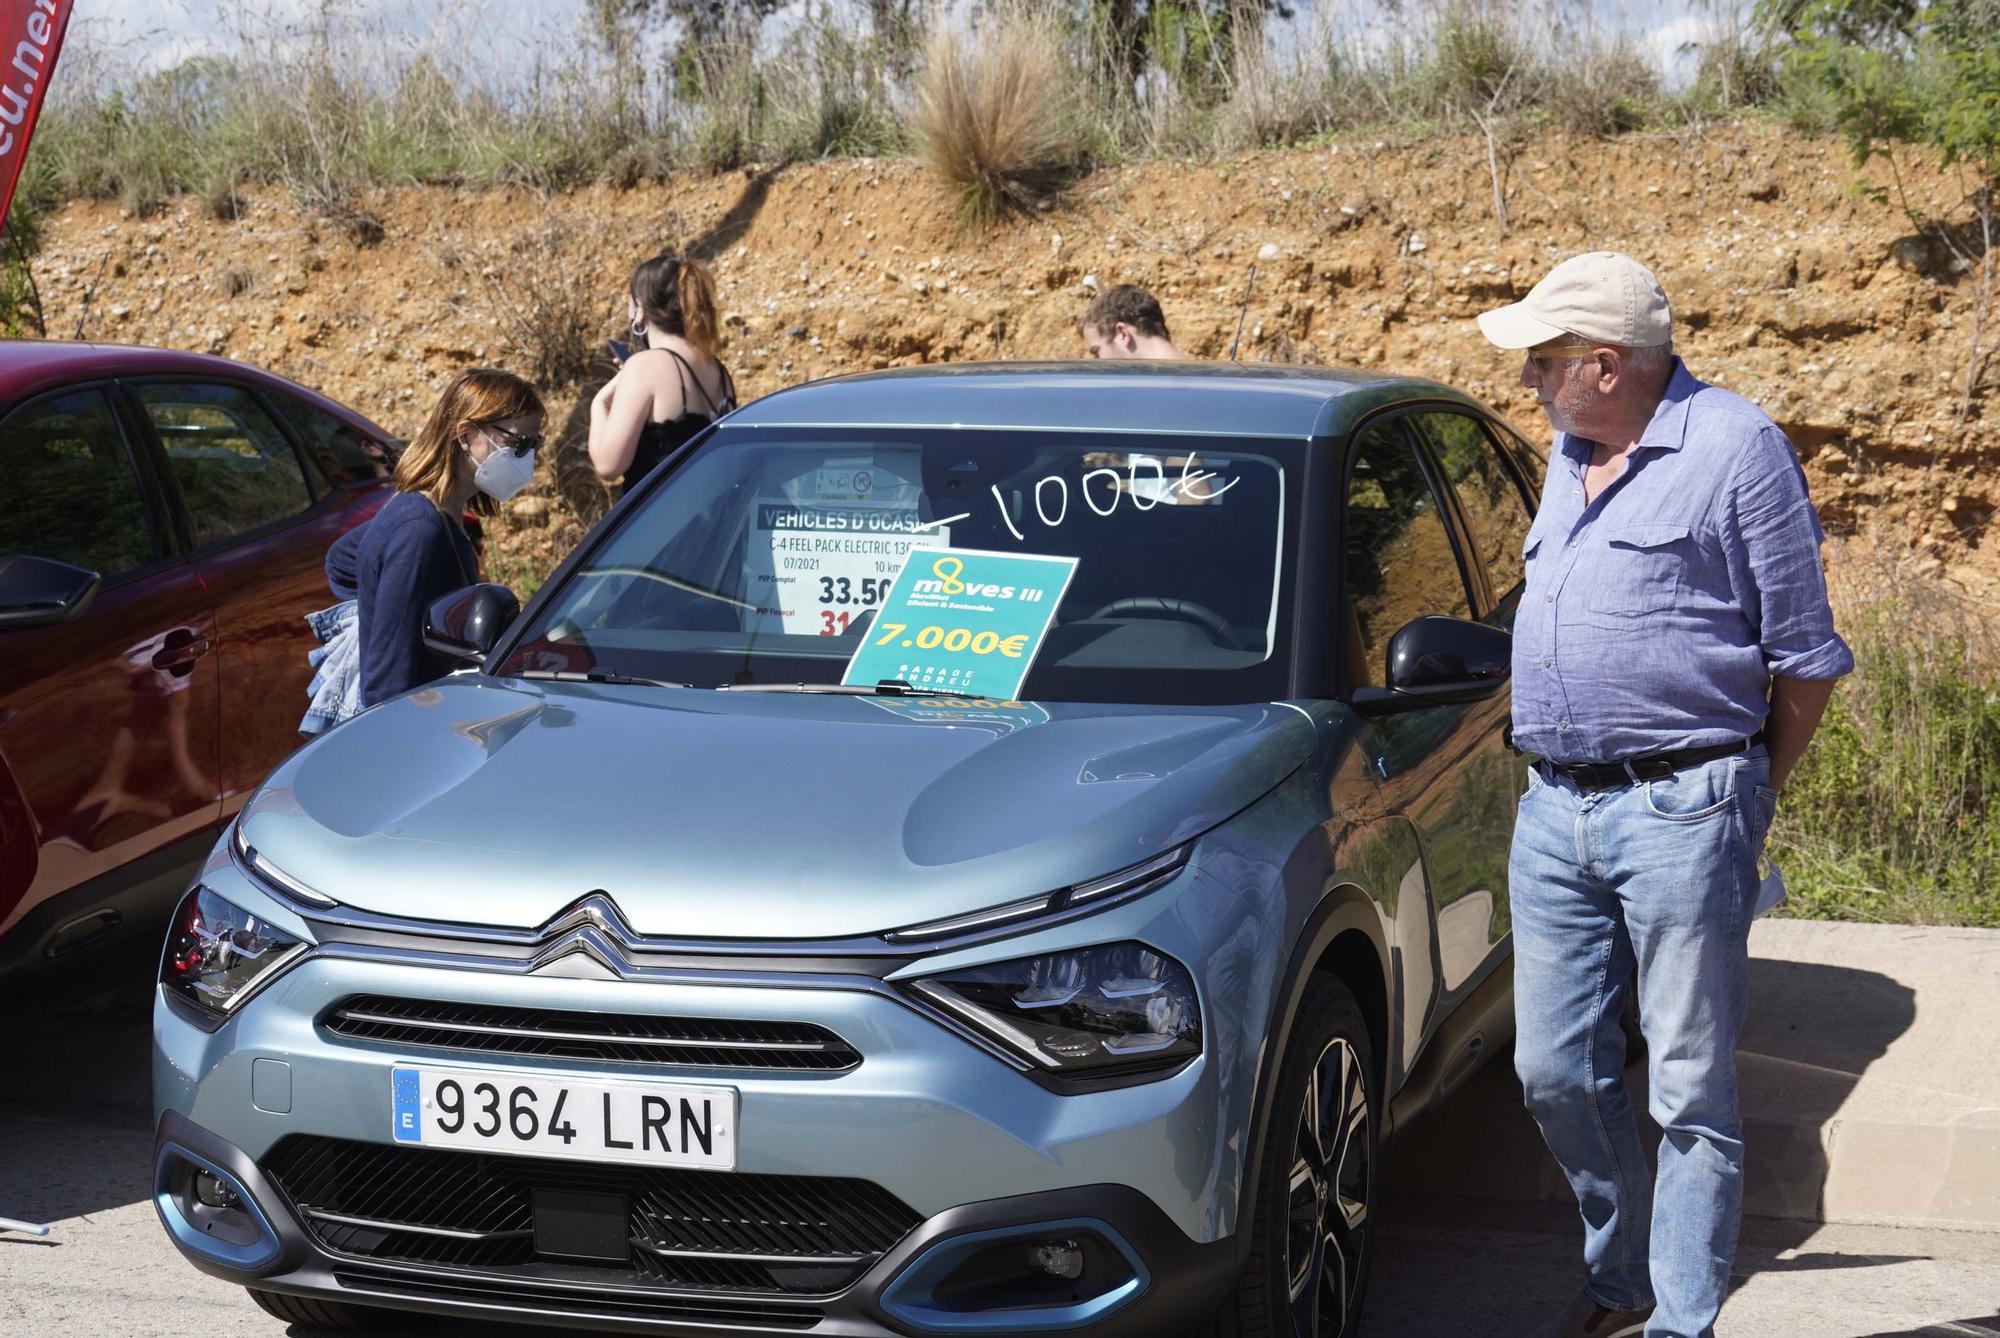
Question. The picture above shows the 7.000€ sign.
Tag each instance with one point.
(954, 639)
(962, 620)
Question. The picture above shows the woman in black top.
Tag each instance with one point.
(673, 386)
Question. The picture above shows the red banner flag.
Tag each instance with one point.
(31, 33)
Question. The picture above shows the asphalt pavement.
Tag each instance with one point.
(75, 1141)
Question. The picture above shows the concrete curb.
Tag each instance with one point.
(1870, 1080)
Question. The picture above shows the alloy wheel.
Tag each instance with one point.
(1327, 1219)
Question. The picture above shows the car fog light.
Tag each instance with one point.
(212, 1193)
(217, 952)
(1058, 1259)
(1096, 1010)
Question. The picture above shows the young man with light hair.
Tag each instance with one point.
(1125, 321)
(1673, 652)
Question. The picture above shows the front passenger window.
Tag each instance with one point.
(1399, 563)
(235, 468)
(1496, 509)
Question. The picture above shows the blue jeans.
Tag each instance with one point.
(1657, 878)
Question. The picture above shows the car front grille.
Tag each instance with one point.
(717, 1231)
(621, 1038)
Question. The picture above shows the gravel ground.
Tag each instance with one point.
(77, 1157)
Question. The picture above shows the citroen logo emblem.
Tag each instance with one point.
(593, 926)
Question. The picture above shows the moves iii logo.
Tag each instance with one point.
(944, 581)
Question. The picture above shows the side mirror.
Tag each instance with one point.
(466, 623)
(1435, 661)
(37, 591)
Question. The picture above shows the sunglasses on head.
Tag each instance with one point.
(514, 443)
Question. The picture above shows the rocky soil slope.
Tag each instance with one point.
(1791, 289)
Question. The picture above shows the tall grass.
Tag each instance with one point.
(298, 116)
(336, 103)
(1894, 815)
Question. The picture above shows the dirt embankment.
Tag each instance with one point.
(1789, 289)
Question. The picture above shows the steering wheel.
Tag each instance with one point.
(1184, 610)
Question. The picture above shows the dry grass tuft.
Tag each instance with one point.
(549, 309)
(1609, 88)
(993, 116)
(1283, 99)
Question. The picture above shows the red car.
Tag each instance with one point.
(163, 520)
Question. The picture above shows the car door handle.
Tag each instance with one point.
(181, 656)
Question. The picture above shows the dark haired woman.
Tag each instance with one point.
(672, 386)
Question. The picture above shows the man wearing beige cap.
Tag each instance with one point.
(1673, 651)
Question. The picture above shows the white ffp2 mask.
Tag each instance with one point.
(503, 473)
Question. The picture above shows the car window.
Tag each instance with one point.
(763, 558)
(1496, 509)
(343, 453)
(1523, 448)
(71, 493)
(235, 468)
(1399, 563)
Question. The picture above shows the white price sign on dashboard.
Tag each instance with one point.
(815, 569)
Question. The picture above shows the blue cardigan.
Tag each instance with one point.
(395, 566)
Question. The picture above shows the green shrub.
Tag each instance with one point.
(1477, 58)
(1894, 815)
(1609, 88)
(831, 96)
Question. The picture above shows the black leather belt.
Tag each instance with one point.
(1647, 766)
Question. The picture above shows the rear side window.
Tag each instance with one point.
(1496, 509)
(71, 493)
(235, 469)
(342, 452)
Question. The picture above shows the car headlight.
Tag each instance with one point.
(217, 951)
(1093, 1011)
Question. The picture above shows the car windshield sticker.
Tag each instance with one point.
(825, 547)
(964, 621)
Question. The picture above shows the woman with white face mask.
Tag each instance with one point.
(478, 444)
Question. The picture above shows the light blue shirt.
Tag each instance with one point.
(1655, 617)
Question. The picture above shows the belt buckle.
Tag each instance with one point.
(1651, 769)
(1597, 775)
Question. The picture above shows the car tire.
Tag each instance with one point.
(1311, 1229)
(313, 1314)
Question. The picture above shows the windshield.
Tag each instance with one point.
(763, 558)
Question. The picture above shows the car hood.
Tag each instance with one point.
(736, 815)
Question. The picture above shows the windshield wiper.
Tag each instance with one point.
(888, 687)
(597, 676)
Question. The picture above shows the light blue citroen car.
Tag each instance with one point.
(751, 939)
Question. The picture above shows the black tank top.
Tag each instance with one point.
(659, 440)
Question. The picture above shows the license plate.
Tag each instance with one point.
(650, 1124)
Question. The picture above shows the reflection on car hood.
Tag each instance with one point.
(708, 814)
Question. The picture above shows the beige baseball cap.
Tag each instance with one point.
(1602, 296)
